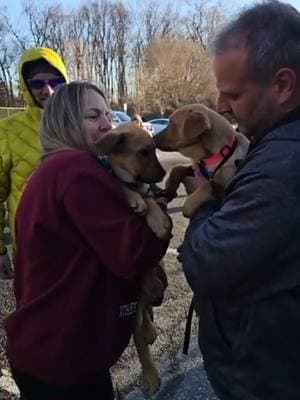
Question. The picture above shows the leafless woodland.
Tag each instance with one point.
(154, 57)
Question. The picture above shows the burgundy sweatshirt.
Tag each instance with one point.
(80, 250)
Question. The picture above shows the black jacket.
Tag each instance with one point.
(243, 264)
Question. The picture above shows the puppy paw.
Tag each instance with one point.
(150, 335)
(152, 380)
(136, 202)
(160, 226)
(194, 201)
(139, 206)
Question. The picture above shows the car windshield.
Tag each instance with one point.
(114, 117)
(160, 121)
(122, 116)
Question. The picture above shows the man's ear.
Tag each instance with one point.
(286, 84)
(110, 143)
(196, 123)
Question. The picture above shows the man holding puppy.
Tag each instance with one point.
(242, 258)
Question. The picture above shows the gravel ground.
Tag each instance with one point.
(170, 319)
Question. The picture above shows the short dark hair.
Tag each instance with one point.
(270, 33)
(33, 67)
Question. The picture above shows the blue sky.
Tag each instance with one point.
(14, 6)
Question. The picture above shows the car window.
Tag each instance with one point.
(123, 116)
(115, 117)
(160, 121)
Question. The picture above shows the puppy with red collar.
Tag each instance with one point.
(213, 146)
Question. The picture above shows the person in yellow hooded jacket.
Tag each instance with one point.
(41, 70)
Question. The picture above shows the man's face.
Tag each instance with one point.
(42, 86)
(253, 105)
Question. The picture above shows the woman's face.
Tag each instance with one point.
(96, 116)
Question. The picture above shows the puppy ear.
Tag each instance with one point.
(197, 122)
(110, 143)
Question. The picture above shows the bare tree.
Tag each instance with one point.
(77, 44)
(7, 26)
(46, 25)
(177, 72)
(149, 55)
(120, 23)
(202, 20)
(8, 56)
(159, 21)
(151, 22)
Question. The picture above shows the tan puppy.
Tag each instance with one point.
(131, 155)
(211, 143)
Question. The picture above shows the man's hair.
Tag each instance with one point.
(63, 118)
(270, 33)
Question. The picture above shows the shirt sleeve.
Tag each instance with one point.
(231, 252)
(121, 239)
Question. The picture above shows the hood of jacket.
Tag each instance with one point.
(34, 54)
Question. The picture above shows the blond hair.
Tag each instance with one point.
(63, 118)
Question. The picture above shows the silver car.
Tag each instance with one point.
(159, 124)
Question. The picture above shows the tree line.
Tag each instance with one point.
(153, 57)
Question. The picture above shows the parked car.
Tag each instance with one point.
(159, 124)
(149, 128)
(119, 117)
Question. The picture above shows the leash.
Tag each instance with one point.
(224, 154)
(188, 326)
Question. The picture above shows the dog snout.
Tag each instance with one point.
(159, 138)
(162, 140)
(158, 173)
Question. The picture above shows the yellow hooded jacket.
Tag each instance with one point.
(20, 147)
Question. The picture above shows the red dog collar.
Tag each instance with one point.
(217, 159)
(223, 153)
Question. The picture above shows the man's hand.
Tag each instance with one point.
(6, 271)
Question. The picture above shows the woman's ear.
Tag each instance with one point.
(286, 84)
(110, 143)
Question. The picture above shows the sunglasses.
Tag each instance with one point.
(37, 84)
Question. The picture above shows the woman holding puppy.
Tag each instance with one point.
(80, 252)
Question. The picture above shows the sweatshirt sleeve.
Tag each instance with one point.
(5, 162)
(231, 251)
(121, 239)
